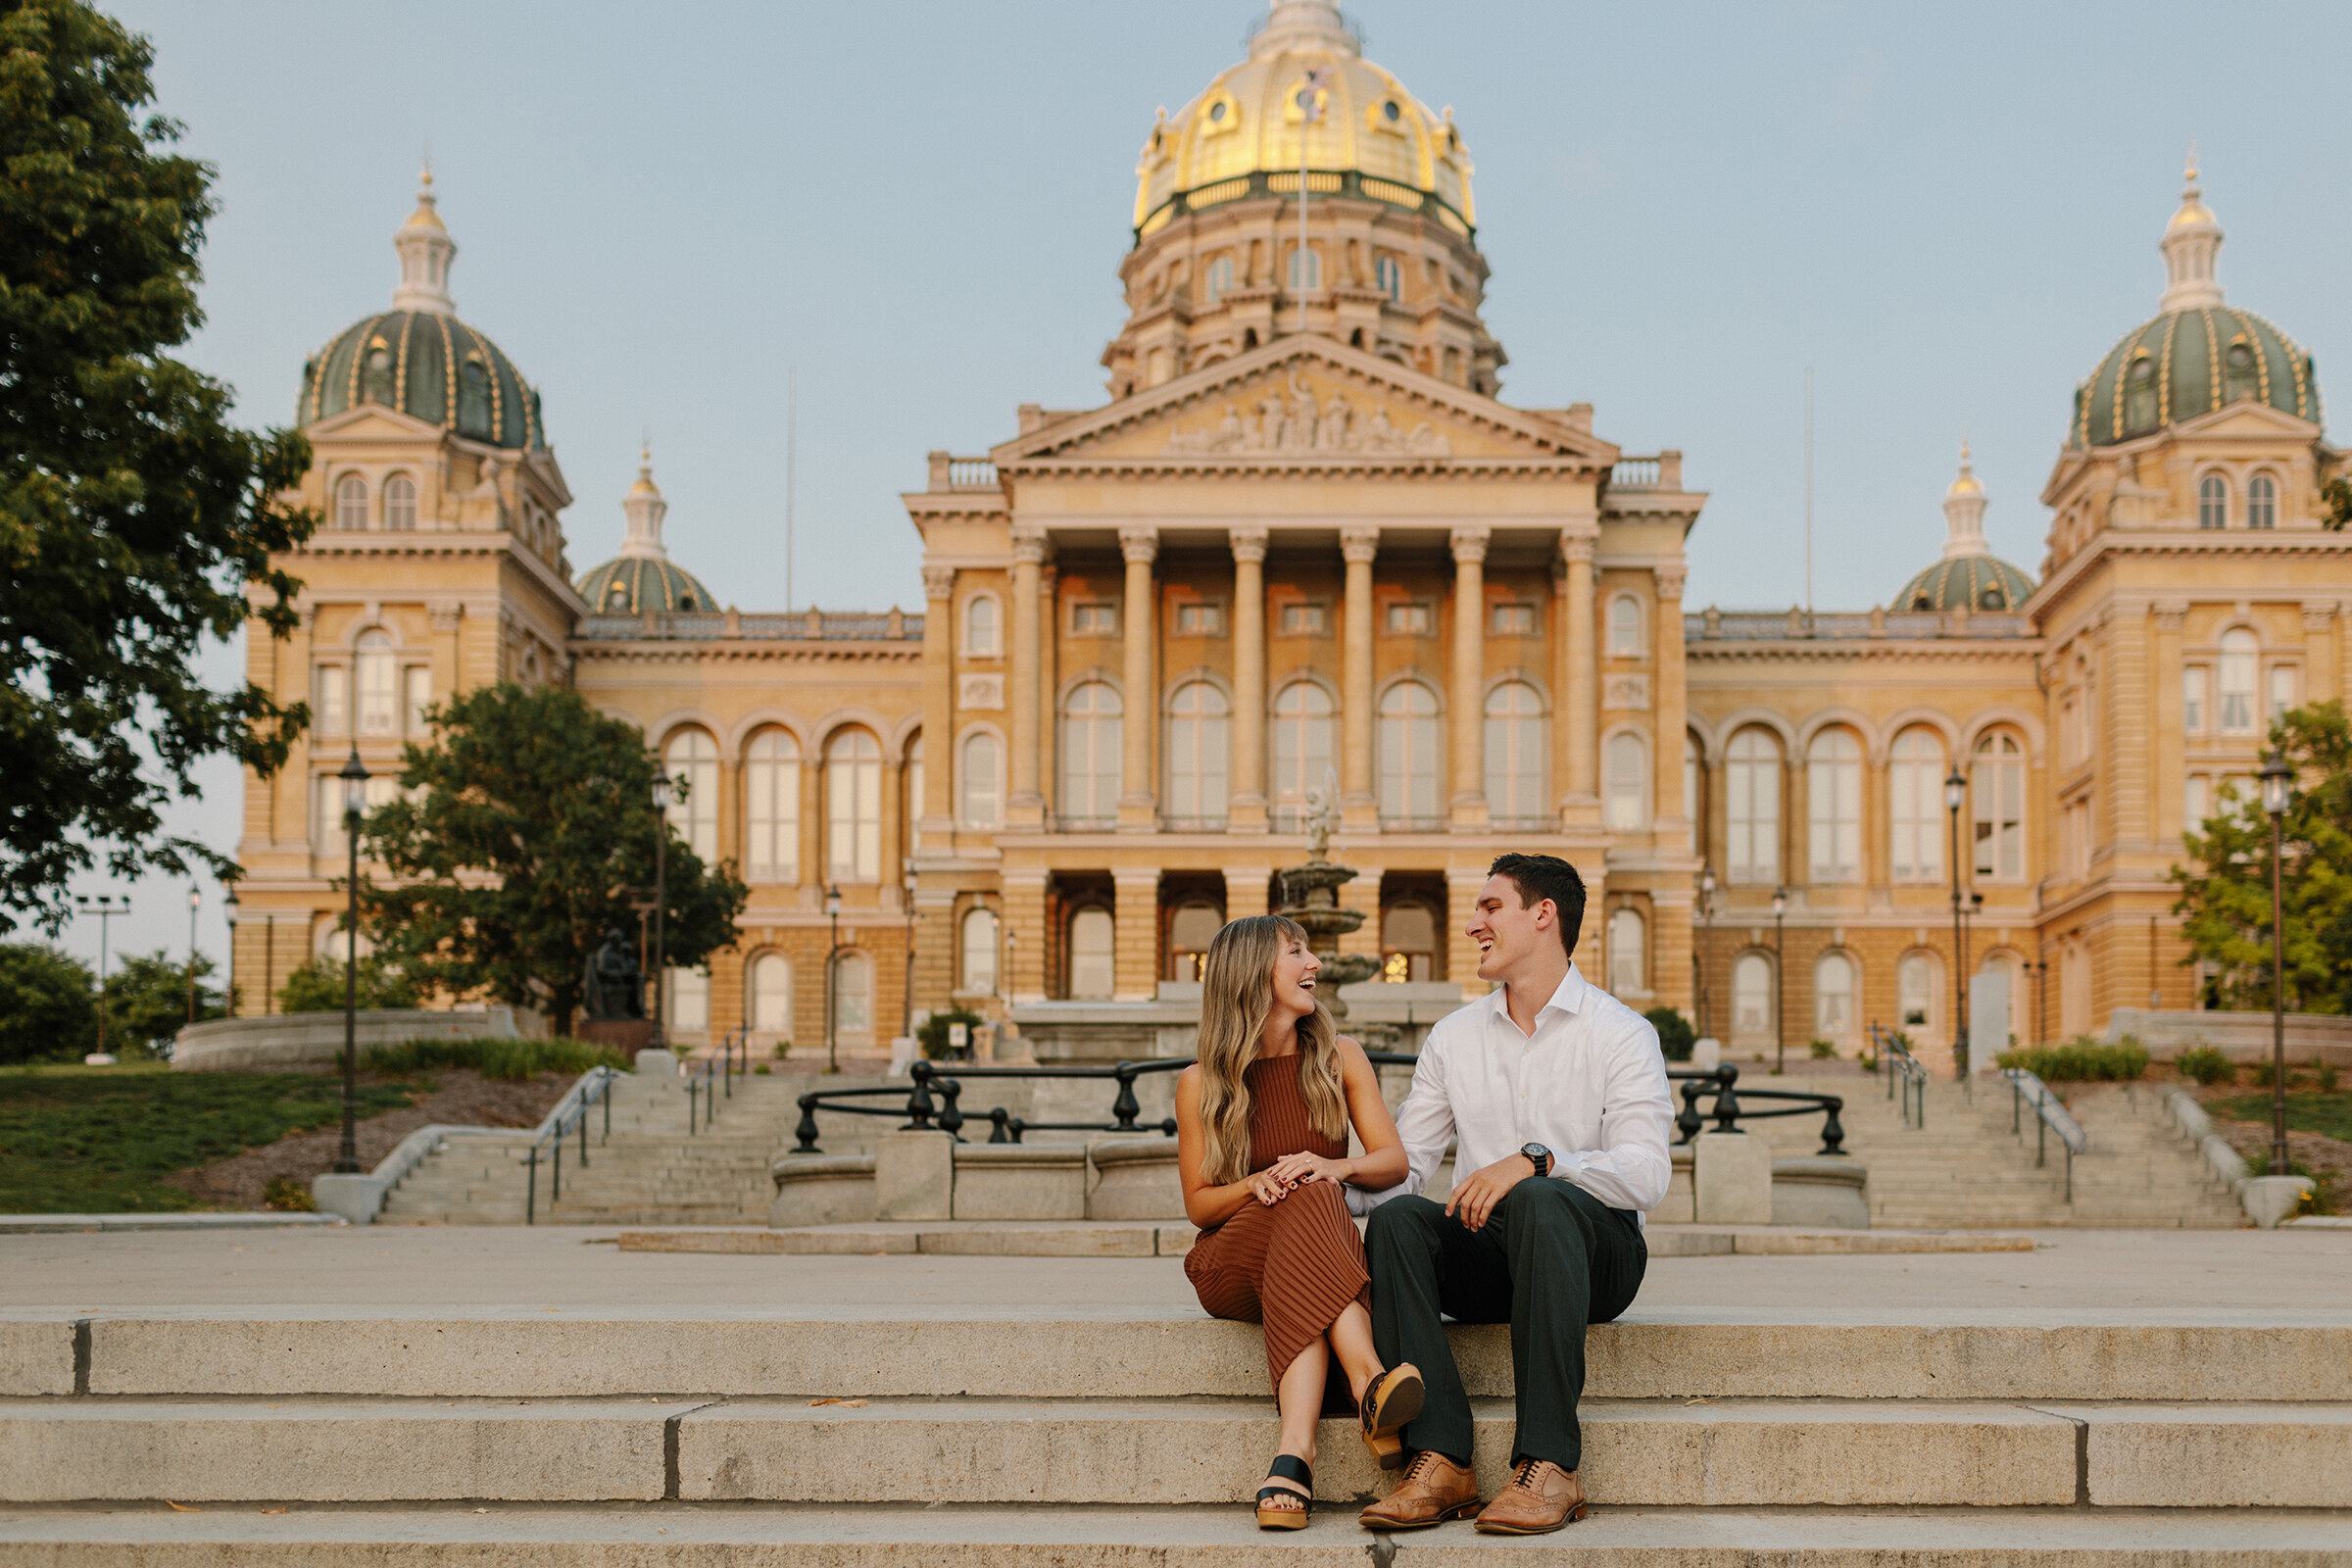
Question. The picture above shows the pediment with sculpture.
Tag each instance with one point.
(1297, 419)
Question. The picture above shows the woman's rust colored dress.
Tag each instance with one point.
(1293, 1265)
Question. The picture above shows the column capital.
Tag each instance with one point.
(1029, 544)
(1577, 542)
(1138, 544)
(1469, 542)
(2171, 614)
(938, 581)
(445, 613)
(1249, 542)
(2316, 614)
(1671, 580)
(1359, 542)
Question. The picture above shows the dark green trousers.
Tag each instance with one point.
(1550, 1259)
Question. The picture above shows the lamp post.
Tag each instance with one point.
(907, 994)
(832, 999)
(1779, 980)
(195, 902)
(1955, 793)
(2278, 789)
(656, 972)
(106, 905)
(1706, 946)
(228, 985)
(355, 806)
(2040, 969)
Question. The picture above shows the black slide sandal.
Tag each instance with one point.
(1290, 1467)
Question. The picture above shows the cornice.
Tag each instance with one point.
(1307, 466)
(2201, 543)
(1942, 649)
(664, 650)
(450, 543)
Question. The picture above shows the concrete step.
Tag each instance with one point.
(690, 1536)
(1677, 1453)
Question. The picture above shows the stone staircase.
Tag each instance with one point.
(1022, 1433)
(1966, 1167)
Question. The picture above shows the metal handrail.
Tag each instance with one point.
(570, 1113)
(717, 1069)
(927, 1078)
(1903, 1068)
(2049, 1117)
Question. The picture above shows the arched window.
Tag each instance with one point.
(853, 808)
(983, 780)
(1627, 781)
(1192, 927)
(1751, 997)
(2140, 396)
(1307, 267)
(351, 503)
(2241, 656)
(1834, 799)
(1834, 997)
(416, 699)
(473, 399)
(1388, 276)
(977, 958)
(1408, 942)
(980, 626)
(1629, 962)
(1408, 752)
(1514, 752)
(378, 698)
(691, 763)
(400, 503)
(1216, 279)
(1998, 792)
(1092, 974)
(1916, 991)
(2213, 502)
(1302, 747)
(1915, 785)
(686, 1000)
(1091, 764)
(2262, 502)
(1625, 626)
(1197, 732)
(854, 994)
(1751, 788)
(772, 807)
(769, 1006)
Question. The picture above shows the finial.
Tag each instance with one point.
(2188, 175)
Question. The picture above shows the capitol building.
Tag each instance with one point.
(1304, 543)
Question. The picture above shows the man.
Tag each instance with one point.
(1556, 1094)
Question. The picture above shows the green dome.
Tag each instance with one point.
(1966, 582)
(632, 586)
(2187, 363)
(431, 367)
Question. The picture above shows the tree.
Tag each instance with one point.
(2226, 894)
(133, 517)
(522, 832)
(48, 1004)
(318, 986)
(147, 998)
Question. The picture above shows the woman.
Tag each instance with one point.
(1261, 1146)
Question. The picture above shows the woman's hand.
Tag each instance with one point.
(1268, 1188)
(1293, 1169)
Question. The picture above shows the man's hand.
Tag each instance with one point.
(1293, 1170)
(1476, 1195)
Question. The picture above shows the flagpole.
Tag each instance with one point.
(791, 437)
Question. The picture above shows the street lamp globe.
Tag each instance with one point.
(2278, 783)
(1955, 789)
(354, 777)
(195, 900)
(833, 900)
(661, 790)
(1706, 881)
(1780, 903)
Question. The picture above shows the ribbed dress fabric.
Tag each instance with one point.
(1295, 1265)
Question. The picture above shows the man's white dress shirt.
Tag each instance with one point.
(1590, 1085)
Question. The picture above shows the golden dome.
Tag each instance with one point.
(1248, 121)
(1967, 484)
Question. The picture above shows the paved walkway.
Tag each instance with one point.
(2220, 1277)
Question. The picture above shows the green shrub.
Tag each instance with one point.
(783, 1049)
(932, 1034)
(48, 1004)
(2206, 1065)
(494, 1056)
(287, 1195)
(1675, 1034)
(764, 1070)
(1824, 1051)
(2328, 1078)
(2080, 1059)
(318, 986)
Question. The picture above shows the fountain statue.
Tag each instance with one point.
(1310, 896)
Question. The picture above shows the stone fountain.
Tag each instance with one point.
(1310, 896)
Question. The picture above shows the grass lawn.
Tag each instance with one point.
(2307, 1111)
(94, 1140)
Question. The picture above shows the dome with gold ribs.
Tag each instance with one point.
(1970, 577)
(1364, 133)
(642, 580)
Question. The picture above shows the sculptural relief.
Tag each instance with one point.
(1297, 425)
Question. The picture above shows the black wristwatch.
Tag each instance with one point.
(1539, 1156)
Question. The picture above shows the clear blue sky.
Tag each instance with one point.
(1949, 216)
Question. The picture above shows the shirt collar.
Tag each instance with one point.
(1568, 998)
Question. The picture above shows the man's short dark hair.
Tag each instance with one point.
(1547, 877)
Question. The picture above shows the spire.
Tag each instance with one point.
(1307, 25)
(2191, 241)
(426, 250)
(1964, 513)
(645, 509)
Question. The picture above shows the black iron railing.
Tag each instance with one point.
(1904, 1071)
(718, 1071)
(1730, 1106)
(594, 1088)
(2049, 1117)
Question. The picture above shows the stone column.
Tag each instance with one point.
(1466, 707)
(1673, 824)
(1877, 827)
(1247, 812)
(1671, 937)
(2165, 739)
(1024, 805)
(893, 847)
(938, 807)
(1025, 925)
(813, 829)
(1580, 683)
(1048, 684)
(1139, 624)
(1245, 890)
(2322, 678)
(1462, 885)
(1359, 544)
(1134, 953)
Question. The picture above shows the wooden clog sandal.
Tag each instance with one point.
(1391, 1404)
(1293, 1514)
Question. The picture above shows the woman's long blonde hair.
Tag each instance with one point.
(1236, 993)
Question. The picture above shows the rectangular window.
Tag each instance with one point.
(1514, 621)
(1412, 621)
(1199, 621)
(416, 695)
(1303, 620)
(2283, 690)
(2196, 804)
(2193, 698)
(334, 700)
(1095, 619)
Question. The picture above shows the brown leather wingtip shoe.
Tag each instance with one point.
(1541, 1497)
(1434, 1490)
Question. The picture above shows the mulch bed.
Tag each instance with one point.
(458, 1095)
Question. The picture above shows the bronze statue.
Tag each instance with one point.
(613, 987)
